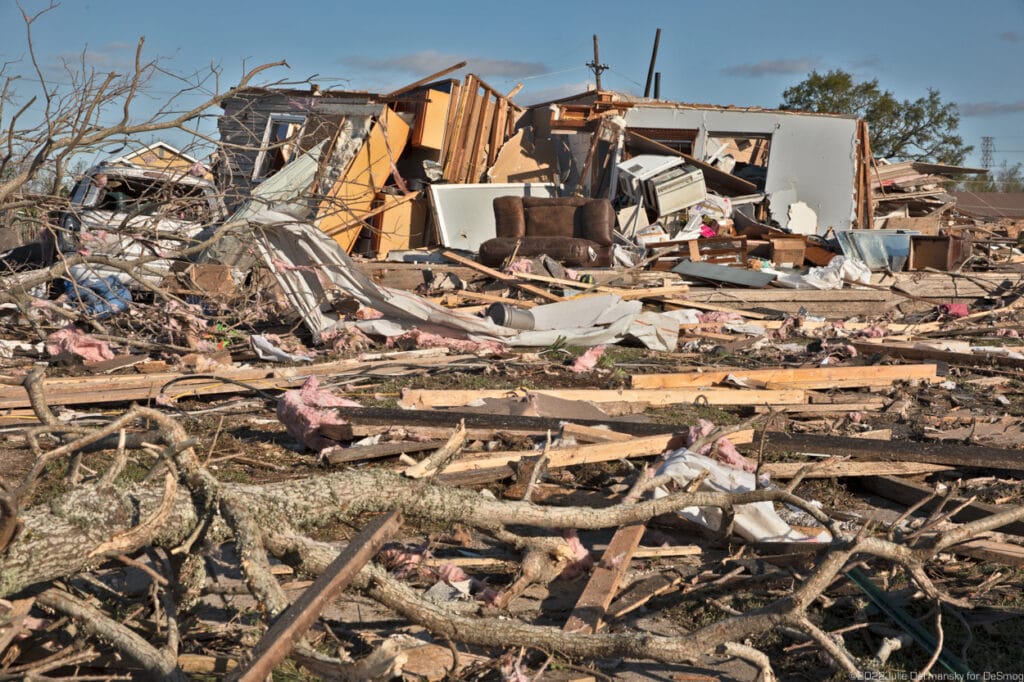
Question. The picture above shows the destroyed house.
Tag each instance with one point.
(799, 161)
(262, 130)
(383, 150)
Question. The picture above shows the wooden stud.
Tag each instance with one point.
(425, 398)
(805, 378)
(279, 640)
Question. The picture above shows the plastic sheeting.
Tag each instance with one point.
(757, 521)
(307, 263)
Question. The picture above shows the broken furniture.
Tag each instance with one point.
(942, 253)
(662, 184)
(788, 249)
(572, 230)
(718, 250)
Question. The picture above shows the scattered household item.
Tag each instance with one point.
(572, 230)
(664, 184)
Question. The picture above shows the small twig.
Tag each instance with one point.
(940, 636)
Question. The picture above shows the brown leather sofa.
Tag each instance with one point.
(574, 231)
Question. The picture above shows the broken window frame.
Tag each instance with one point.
(730, 136)
(680, 139)
(288, 147)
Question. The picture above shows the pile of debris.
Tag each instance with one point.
(441, 387)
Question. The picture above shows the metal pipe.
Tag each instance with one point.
(654, 58)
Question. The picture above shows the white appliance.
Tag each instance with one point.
(664, 184)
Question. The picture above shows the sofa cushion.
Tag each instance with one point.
(509, 218)
(550, 221)
(567, 250)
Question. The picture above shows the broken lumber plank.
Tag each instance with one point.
(641, 592)
(455, 298)
(199, 664)
(278, 641)
(804, 378)
(361, 453)
(581, 454)
(426, 398)
(974, 456)
(449, 419)
(712, 307)
(625, 294)
(501, 276)
(950, 357)
(910, 493)
(847, 468)
(990, 550)
(815, 409)
(588, 615)
(593, 434)
(87, 390)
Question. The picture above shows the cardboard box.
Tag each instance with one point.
(788, 250)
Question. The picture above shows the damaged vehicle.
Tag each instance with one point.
(140, 218)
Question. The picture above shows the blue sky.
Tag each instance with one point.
(741, 52)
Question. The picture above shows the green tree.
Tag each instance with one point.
(924, 129)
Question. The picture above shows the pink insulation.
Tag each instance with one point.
(303, 412)
(722, 449)
(581, 562)
(71, 340)
(415, 338)
(588, 360)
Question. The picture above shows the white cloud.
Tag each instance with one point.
(771, 67)
(431, 61)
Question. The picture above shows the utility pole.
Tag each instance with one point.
(596, 66)
(654, 58)
(987, 147)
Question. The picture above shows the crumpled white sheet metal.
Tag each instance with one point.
(757, 521)
(306, 263)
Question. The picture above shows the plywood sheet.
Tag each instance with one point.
(350, 200)
(432, 121)
(401, 224)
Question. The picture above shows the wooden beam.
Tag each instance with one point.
(426, 398)
(625, 294)
(806, 378)
(963, 359)
(581, 454)
(848, 468)
(588, 615)
(279, 640)
(750, 314)
(86, 390)
(910, 493)
(423, 81)
(948, 454)
(448, 419)
(361, 453)
(501, 276)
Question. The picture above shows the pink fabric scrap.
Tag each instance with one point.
(954, 309)
(303, 412)
(71, 340)
(708, 231)
(588, 360)
(415, 338)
